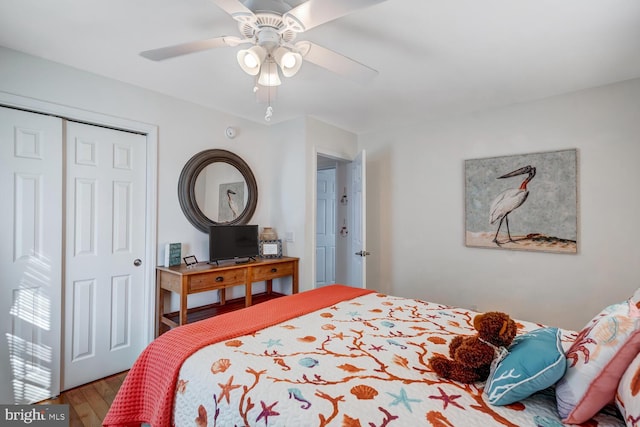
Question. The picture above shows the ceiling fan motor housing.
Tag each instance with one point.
(270, 21)
(268, 38)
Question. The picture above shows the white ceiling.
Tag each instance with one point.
(435, 58)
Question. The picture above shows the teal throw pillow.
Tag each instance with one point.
(535, 361)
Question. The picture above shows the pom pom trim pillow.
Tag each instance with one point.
(628, 396)
(535, 362)
(597, 360)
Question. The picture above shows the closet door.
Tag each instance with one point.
(30, 256)
(104, 266)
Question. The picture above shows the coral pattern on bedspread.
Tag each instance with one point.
(361, 362)
(148, 391)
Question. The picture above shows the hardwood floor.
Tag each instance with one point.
(88, 404)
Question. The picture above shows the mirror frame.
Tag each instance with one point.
(187, 181)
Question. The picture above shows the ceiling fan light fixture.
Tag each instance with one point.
(251, 59)
(269, 74)
(288, 60)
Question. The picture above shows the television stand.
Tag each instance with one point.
(208, 277)
(244, 261)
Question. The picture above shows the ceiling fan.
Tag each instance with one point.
(271, 27)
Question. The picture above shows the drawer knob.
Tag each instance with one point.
(219, 279)
(273, 270)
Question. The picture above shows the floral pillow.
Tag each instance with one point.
(628, 396)
(597, 360)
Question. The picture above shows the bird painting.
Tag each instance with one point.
(542, 190)
(231, 201)
(509, 200)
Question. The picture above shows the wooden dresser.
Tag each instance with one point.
(208, 277)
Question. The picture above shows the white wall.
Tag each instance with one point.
(282, 156)
(415, 203)
(184, 129)
(294, 180)
(415, 188)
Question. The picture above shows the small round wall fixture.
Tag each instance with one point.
(208, 181)
(230, 132)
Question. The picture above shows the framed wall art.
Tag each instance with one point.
(523, 202)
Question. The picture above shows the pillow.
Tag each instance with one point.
(596, 361)
(535, 361)
(628, 396)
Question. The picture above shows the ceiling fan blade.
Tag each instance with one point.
(333, 61)
(315, 12)
(191, 47)
(237, 10)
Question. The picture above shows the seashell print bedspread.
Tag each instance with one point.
(361, 362)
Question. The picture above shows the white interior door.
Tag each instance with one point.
(359, 221)
(326, 228)
(104, 273)
(30, 256)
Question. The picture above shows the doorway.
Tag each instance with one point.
(339, 237)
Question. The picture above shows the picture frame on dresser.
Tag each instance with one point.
(270, 248)
(190, 261)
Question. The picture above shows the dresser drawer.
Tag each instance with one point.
(217, 279)
(267, 272)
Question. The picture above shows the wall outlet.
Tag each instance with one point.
(289, 236)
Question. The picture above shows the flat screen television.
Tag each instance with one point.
(239, 242)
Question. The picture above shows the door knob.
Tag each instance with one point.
(363, 253)
(137, 262)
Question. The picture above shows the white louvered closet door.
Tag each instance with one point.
(105, 232)
(30, 256)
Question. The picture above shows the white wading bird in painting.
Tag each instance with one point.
(509, 200)
(232, 203)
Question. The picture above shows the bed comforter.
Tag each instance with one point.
(357, 360)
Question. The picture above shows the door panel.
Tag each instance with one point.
(83, 333)
(106, 185)
(30, 256)
(326, 227)
(120, 292)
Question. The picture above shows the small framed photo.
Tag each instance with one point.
(271, 248)
(190, 260)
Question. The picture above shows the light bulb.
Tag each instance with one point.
(250, 61)
(288, 60)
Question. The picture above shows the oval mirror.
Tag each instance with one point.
(217, 187)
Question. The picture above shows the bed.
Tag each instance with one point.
(334, 356)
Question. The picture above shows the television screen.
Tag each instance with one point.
(233, 241)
